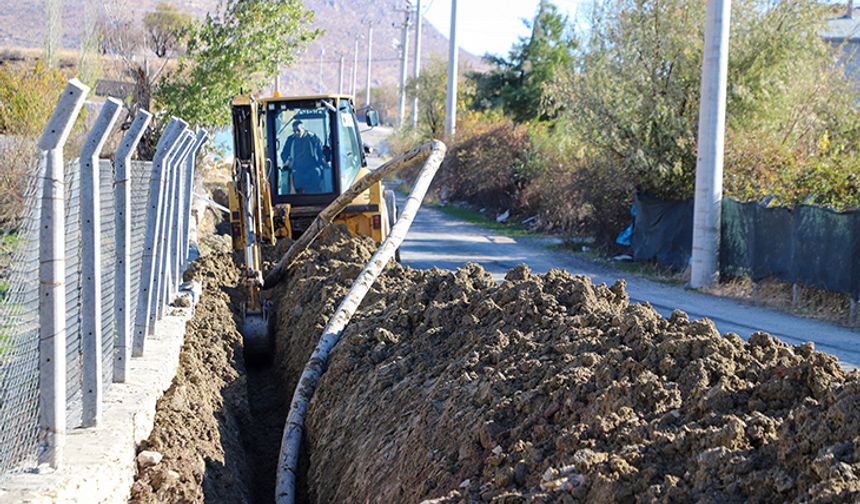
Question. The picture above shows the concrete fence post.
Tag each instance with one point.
(123, 243)
(179, 215)
(52, 272)
(165, 261)
(175, 230)
(91, 264)
(157, 310)
(144, 313)
(201, 139)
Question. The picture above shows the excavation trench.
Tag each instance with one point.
(217, 426)
(544, 388)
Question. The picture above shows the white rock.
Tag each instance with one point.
(148, 458)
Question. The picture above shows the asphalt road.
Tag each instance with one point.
(440, 240)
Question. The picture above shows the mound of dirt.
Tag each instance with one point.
(198, 422)
(547, 388)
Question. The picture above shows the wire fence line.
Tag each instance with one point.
(71, 278)
(19, 335)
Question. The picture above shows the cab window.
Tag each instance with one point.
(302, 150)
(349, 149)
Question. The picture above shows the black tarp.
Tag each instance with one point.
(809, 245)
(662, 231)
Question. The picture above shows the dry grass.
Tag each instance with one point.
(17, 168)
(25, 56)
(811, 302)
(112, 67)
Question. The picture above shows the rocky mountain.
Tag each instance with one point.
(21, 25)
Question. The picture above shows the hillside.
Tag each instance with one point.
(343, 20)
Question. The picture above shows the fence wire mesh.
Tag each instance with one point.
(140, 173)
(74, 348)
(19, 331)
(107, 199)
(20, 433)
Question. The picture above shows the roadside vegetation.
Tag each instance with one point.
(570, 125)
(27, 98)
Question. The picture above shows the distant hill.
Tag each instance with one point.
(342, 20)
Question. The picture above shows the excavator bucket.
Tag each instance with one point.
(258, 341)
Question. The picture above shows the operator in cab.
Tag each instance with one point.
(303, 161)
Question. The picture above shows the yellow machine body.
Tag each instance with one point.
(288, 215)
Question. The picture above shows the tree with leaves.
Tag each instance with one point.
(236, 52)
(432, 89)
(517, 84)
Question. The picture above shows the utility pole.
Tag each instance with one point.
(322, 52)
(451, 101)
(354, 68)
(340, 76)
(417, 64)
(369, 58)
(707, 205)
(404, 55)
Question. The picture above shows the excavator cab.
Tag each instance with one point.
(293, 157)
(315, 153)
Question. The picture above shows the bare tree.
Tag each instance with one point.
(89, 66)
(53, 31)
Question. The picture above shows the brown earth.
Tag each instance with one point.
(214, 426)
(547, 388)
(544, 388)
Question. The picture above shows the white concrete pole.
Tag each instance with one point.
(709, 162)
(369, 61)
(416, 69)
(161, 260)
(404, 63)
(91, 264)
(165, 278)
(144, 313)
(163, 227)
(123, 243)
(352, 89)
(453, 56)
(52, 275)
(190, 169)
(340, 77)
(178, 212)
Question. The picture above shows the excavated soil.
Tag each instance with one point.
(218, 425)
(452, 388)
(547, 388)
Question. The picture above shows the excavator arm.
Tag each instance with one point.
(251, 222)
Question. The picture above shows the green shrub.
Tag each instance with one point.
(27, 99)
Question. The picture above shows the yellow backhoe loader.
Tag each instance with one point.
(294, 156)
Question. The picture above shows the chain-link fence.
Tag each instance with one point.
(58, 356)
(19, 334)
(139, 179)
(73, 294)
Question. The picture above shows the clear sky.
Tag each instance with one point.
(488, 25)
